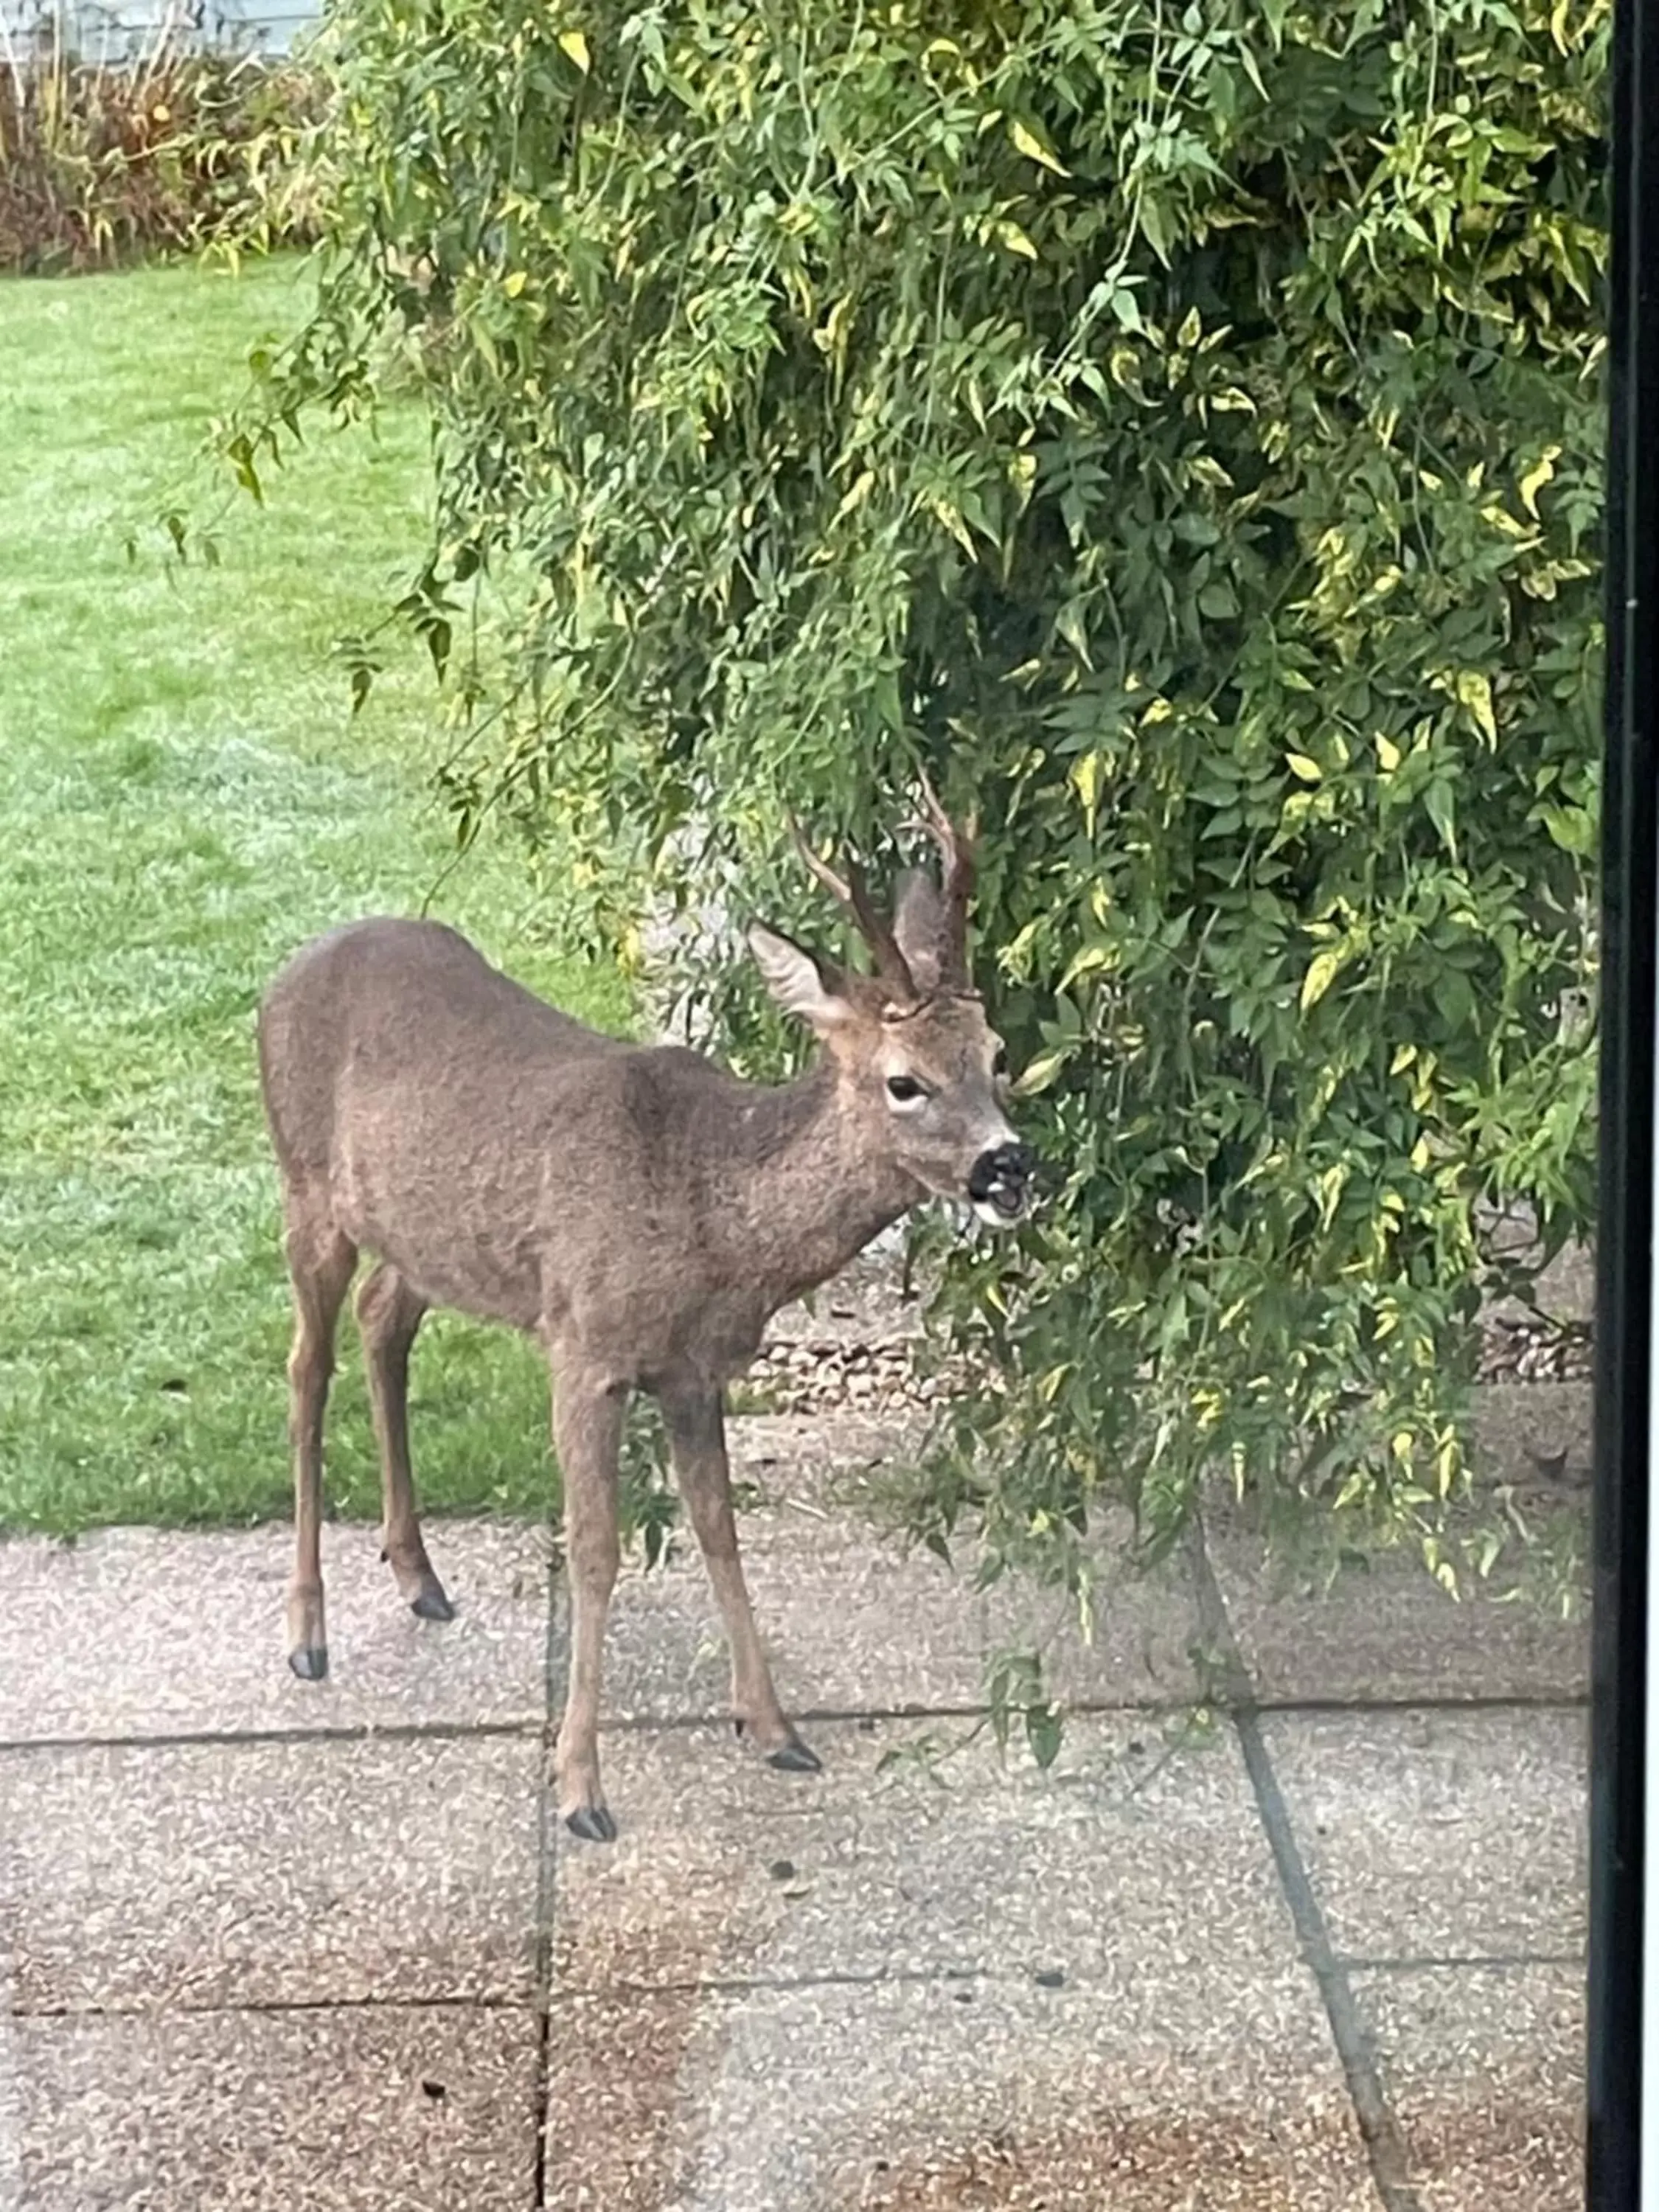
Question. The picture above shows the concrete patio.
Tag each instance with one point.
(1313, 1946)
(326, 1947)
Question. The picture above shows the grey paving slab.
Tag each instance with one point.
(1137, 1643)
(852, 1625)
(1134, 1863)
(142, 1632)
(1517, 1428)
(857, 1623)
(1383, 1631)
(1484, 2069)
(1198, 2090)
(263, 1874)
(1438, 1835)
(346, 2112)
(832, 1459)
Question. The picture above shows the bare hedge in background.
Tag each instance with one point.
(1179, 428)
(104, 160)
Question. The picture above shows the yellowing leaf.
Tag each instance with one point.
(573, 44)
(1309, 770)
(1445, 1472)
(1558, 15)
(1498, 517)
(855, 495)
(1403, 1056)
(1015, 240)
(1032, 147)
(1388, 752)
(950, 514)
(1048, 1385)
(1541, 473)
(1190, 332)
(1475, 691)
(1085, 777)
(1088, 962)
(514, 281)
(1322, 974)
(1039, 1075)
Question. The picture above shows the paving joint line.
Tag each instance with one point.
(1385, 2145)
(278, 2007)
(958, 1977)
(235, 1739)
(1229, 1703)
(528, 2002)
(1459, 1962)
(543, 1726)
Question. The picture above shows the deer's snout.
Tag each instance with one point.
(999, 1183)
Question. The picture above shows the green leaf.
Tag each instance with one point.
(1045, 1729)
(1440, 803)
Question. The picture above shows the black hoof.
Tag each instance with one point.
(794, 1757)
(311, 1666)
(433, 1605)
(592, 1823)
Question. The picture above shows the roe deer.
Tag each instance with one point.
(636, 1208)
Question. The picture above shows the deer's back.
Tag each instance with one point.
(418, 1089)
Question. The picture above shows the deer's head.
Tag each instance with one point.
(918, 1063)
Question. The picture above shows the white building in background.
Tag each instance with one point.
(117, 30)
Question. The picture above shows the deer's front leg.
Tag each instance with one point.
(587, 1426)
(697, 1432)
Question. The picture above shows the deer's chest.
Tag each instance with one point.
(662, 1314)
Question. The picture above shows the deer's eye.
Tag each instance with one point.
(904, 1090)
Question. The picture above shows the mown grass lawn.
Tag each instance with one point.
(185, 797)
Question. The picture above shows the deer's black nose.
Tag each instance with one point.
(999, 1177)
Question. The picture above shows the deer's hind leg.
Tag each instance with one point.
(320, 1263)
(388, 1314)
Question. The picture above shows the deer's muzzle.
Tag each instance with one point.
(999, 1183)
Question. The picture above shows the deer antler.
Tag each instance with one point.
(853, 892)
(956, 847)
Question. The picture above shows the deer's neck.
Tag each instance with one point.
(810, 1198)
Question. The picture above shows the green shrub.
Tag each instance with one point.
(1179, 428)
(102, 161)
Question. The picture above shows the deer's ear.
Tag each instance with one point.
(800, 982)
